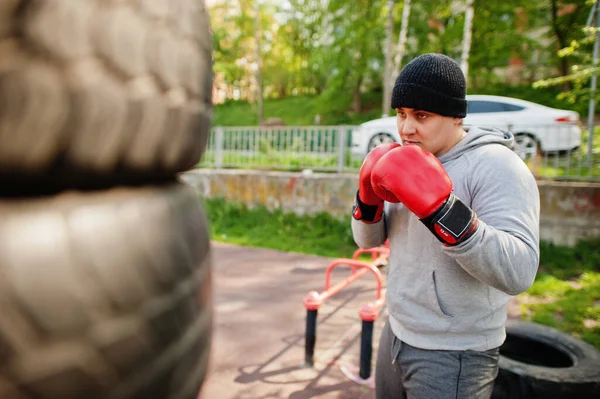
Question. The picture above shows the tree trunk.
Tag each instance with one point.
(466, 44)
(564, 66)
(387, 74)
(401, 39)
(560, 37)
(259, 89)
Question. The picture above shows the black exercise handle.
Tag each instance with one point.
(311, 337)
(366, 349)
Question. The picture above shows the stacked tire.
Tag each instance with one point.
(105, 270)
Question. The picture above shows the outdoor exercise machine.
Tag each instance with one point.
(368, 313)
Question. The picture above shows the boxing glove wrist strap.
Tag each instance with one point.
(453, 222)
(365, 212)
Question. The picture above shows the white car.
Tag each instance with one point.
(537, 128)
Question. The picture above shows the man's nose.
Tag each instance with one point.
(408, 127)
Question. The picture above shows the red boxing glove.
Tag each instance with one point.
(417, 179)
(368, 206)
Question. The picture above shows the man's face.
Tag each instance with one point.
(432, 132)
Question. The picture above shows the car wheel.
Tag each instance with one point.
(541, 362)
(526, 146)
(93, 90)
(380, 138)
(105, 294)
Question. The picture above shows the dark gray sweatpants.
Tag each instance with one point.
(403, 371)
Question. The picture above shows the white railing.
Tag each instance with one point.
(321, 148)
(330, 149)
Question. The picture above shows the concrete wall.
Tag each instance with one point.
(569, 211)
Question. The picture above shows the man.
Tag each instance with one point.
(461, 213)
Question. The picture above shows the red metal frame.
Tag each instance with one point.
(368, 313)
(379, 255)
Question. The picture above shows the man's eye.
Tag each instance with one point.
(422, 116)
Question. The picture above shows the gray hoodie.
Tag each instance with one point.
(454, 298)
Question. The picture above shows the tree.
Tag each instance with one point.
(434, 27)
(257, 60)
(302, 46)
(504, 33)
(340, 49)
(464, 59)
(394, 56)
(402, 39)
(354, 52)
(566, 19)
(232, 45)
(387, 74)
(581, 73)
(582, 70)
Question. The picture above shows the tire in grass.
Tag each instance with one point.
(104, 295)
(102, 92)
(541, 362)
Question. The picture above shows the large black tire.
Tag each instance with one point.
(102, 92)
(105, 295)
(541, 362)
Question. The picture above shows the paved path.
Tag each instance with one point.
(258, 340)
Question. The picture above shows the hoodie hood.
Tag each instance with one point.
(477, 137)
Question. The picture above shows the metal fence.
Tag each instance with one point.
(334, 149)
(320, 148)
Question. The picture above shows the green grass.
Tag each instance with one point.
(565, 294)
(293, 110)
(300, 111)
(282, 160)
(258, 227)
(572, 306)
(568, 263)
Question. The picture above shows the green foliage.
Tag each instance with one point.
(496, 37)
(299, 53)
(578, 52)
(232, 38)
(354, 55)
(435, 26)
(320, 234)
(334, 49)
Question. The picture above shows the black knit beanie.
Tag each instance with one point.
(434, 83)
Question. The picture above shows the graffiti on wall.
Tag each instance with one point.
(587, 202)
